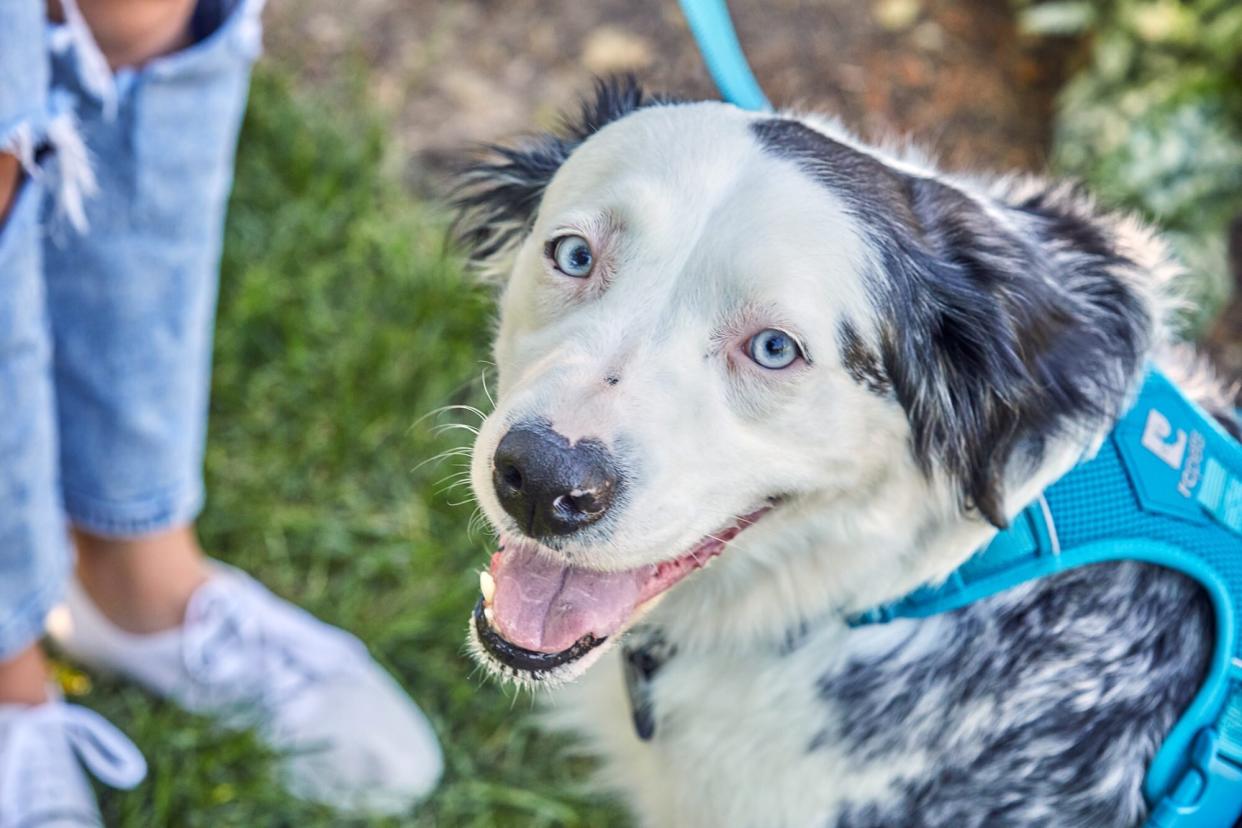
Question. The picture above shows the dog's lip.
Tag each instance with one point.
(536, 663)
(530, 662)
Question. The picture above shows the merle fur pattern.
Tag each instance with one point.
(1075, 679)
(1006, 321)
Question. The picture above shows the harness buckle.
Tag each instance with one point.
(1209, 793)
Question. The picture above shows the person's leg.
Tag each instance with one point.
(32, 537)
(10, 176)
(23, 677)
(142, 584)
(23, 674)
(41, 777)
(132, 308)
(143, 580)
(33, 553)
(132, 304)
(131, 32)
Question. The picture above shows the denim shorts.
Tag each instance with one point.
(108, 273)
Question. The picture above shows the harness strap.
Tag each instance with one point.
(1028, 549)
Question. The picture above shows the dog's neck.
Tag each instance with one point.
(816, 560)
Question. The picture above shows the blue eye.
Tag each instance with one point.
(773, 349)
(573, 257)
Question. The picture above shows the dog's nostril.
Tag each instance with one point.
(512, 476)
(578, 504)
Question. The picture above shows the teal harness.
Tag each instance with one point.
(1165, 487)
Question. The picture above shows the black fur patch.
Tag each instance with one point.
(644, 654)
(497, 198)
(996, 334)
(862, 364)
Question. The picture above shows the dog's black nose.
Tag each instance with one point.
(549, 486)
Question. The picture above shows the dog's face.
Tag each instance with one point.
(701, 325)
(679, 315)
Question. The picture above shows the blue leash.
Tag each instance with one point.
(1187, 522)
(713, 30)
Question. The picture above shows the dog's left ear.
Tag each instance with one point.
(1006, 322)
(1004, 318)
(497, 197)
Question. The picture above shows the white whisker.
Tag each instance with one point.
(728, 544)
(443, 427)
(483, 377)
(445, 408)
(456, 484)
(444, 455)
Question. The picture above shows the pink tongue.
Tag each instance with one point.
(547, 606)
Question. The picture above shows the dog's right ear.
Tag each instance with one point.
(497, 197)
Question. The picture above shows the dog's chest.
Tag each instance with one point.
(1076, 678)
(729, 740)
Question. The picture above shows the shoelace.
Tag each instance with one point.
(30, 773)
(242, 651)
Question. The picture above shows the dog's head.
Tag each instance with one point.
(712, 317)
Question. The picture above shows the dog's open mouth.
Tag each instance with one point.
(537, 613)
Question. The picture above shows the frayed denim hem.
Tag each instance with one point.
(72, 180)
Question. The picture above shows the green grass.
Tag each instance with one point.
(343, 318)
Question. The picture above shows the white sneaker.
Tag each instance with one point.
(353, 739)
(42, 750)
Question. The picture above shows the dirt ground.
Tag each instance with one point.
(956, 77)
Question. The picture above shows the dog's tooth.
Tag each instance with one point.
(487, 586)
(489, 615)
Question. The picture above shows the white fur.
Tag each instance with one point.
(727, 725)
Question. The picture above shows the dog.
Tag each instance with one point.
(754, 376)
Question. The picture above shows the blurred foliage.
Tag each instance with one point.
(343, 320)
(1153, 121)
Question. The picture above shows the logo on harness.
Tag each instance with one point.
(1155, 435)
(1155, 439)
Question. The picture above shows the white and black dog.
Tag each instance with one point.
(751, 338)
